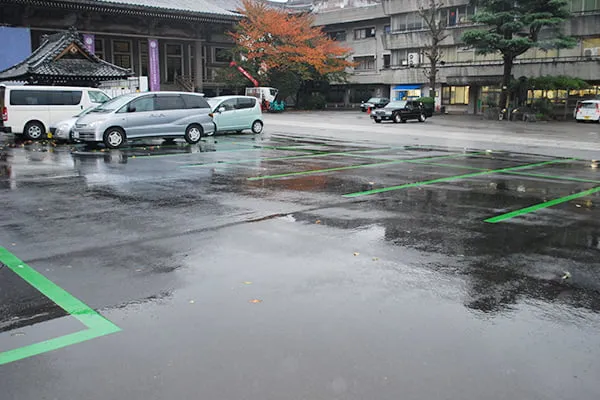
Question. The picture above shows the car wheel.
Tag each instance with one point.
(114, 138)
(257, 126)
(193, 134)
(397, 118)
(34, 130)
(422, 118)
(377, 121)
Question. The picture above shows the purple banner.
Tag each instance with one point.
(154, 65)
(89, 42)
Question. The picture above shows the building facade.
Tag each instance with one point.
(181, 45)
(468, 82)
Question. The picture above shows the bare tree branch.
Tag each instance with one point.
(436, 30)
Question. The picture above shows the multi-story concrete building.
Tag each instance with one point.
(387, 38)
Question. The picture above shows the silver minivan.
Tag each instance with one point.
(145, 115)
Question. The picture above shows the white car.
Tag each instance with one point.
(31, 110)
(588, 110)
(63, 130)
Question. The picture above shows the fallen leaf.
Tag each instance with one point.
(375, 258)
(247, 283)
(318, 221)
(356, 254)
(255, 301)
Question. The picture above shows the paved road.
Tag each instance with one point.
(300, 264)
(553, 138)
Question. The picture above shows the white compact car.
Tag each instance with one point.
(588, 110)
(31, 110)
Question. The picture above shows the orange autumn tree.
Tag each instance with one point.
(274, 41)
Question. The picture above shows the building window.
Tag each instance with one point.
(221, 55)
(457, 15)
(122, 53)
(339, 36)
(407, 22)
(366, 63)
(99, 49)
(455, 95)
(387, 60)
(174, 62)
(387, 28)
(364, 33)
(578, 6)
(406, 57)
(143, 58)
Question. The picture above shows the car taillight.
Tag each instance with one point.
(597, 107)
(4, 114)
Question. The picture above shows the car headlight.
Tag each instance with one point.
(62, 127)
(94, 124)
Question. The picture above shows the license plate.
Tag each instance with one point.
(587, 117)
(75, 135)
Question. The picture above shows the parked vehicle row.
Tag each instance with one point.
(89, 115)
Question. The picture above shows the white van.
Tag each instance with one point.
(30, 110)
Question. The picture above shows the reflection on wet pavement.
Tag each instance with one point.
(147, 232)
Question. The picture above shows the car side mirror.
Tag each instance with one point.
(131, 108)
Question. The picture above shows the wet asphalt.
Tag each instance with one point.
(272, 267)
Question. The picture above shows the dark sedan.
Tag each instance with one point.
(400, 111)
(373, 103)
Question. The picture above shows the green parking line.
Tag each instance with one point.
(540, 206)
(348, 167)
(562, 178)
(448, 165)
(249, 160)
(96, 324)
(453, 178)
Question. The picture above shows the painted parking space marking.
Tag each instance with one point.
(540, 206)
(96, 324)
(250, 160)
(349, 167)
(454, 178)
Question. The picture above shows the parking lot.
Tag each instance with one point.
(286, 266)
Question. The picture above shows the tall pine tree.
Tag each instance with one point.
(514, 26)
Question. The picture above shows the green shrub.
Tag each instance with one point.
(427, 101)
(315, 101)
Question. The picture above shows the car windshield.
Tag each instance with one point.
(373, 100)
(86, 111)
(114, 104)
(396, 104)
(588, 105)
(214, 101)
